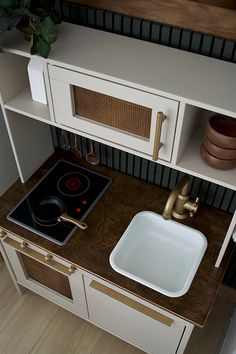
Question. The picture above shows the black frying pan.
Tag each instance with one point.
(50, 210)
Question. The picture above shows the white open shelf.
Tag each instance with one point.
(22, 103)
(191, 162)
(189, 137)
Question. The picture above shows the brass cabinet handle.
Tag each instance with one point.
(157, 140)
(22, 247)
(2, 233)
(131, 303)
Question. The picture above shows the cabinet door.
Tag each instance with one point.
(46, 275)
(129, 117)
(132, 321)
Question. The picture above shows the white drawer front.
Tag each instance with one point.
(62, 83)
(137, 324)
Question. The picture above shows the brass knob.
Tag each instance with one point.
(2, 233)
(23, 244)
(48, 257)
(71, 269)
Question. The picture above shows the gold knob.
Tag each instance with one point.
(48, 257)
(71, 269)
(23, 244)
(2, 233)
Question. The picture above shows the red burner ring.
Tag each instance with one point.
(73, 184)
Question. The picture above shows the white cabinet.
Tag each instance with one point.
(47, 275)
(114, 113)
(137, 322)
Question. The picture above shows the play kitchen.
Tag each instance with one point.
(78, 275)
(68, 260)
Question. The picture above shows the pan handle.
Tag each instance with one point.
(66, 217)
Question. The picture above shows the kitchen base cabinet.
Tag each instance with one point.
(46, 275)
(148, 328)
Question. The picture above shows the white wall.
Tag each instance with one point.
(8, 169)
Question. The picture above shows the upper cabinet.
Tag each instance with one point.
(117, 114)
(143, 98)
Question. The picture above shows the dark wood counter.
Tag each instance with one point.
(90, 249)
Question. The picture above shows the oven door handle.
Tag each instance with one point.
(47, 259)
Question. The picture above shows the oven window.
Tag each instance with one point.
(47, 276)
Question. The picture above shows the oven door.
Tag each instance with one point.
(46, 275)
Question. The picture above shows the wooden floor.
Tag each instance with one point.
(31, 324)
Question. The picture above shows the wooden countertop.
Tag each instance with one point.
(90, 249)
(214, 17)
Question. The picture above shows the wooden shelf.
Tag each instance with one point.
(23, 104)
(215, 17)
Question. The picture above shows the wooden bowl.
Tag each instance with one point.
(213, 161)
(221, 130)
(217, 151)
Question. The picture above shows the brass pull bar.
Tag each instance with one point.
(37, 256)
(157, 140)
(131, 303)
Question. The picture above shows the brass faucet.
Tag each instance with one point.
(179, 203)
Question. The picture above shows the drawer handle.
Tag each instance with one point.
(22, 247)
(131, 303)
(157, 140)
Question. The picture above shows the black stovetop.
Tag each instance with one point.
(78, 188)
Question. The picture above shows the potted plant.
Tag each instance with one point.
(37, 19)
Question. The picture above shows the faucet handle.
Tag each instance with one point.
(194, 207)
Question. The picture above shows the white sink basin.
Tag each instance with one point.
(161, 254)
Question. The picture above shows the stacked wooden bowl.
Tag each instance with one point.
(218, 148)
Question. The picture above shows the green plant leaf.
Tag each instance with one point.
(47, 30)
(21, 12)
(9, 3)
(24, 3)
(9, 19)
(43, 48)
